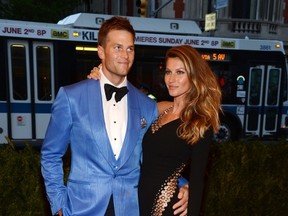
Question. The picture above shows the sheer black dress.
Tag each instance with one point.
(165, 158)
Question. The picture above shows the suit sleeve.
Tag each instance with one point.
(53, 149)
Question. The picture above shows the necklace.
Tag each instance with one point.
(156, 125)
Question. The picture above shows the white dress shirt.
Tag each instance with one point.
(115, 116)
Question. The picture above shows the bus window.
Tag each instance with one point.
(86, 59)
(2, 74)
(43, 59)
(19, 72)
(255, 86)
(273, 87)
(2, 85)
(227, 82)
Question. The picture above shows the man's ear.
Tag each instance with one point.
(100, 52)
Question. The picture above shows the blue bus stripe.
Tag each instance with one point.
(26, 108)
(3, 107)
(43, 108)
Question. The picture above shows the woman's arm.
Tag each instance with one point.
(94, 73)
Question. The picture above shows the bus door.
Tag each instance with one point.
(31, 94)
(263, 100)
(3, 95)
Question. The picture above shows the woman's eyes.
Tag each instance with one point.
(177, 72)
(180, 72)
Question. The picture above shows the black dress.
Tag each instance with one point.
(165, 158)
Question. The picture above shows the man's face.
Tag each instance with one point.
(117, 55)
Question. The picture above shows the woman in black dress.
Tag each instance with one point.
(179, 139)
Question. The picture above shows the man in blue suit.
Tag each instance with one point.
(104, 130)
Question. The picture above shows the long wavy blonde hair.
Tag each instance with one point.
(203, 102)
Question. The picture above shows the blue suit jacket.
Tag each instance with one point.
(77, 119)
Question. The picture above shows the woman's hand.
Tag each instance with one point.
(59, 213)
(95, 73)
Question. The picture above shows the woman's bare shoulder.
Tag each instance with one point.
(163, 105)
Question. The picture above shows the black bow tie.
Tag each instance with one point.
(120, 92)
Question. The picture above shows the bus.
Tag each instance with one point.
(37, 58)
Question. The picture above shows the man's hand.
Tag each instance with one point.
(182, 204)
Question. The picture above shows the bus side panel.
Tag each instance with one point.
(3, 93)
(3, 122)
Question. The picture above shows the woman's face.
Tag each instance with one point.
(176, 78)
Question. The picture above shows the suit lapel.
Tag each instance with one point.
(97, 121)
(133, 126)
